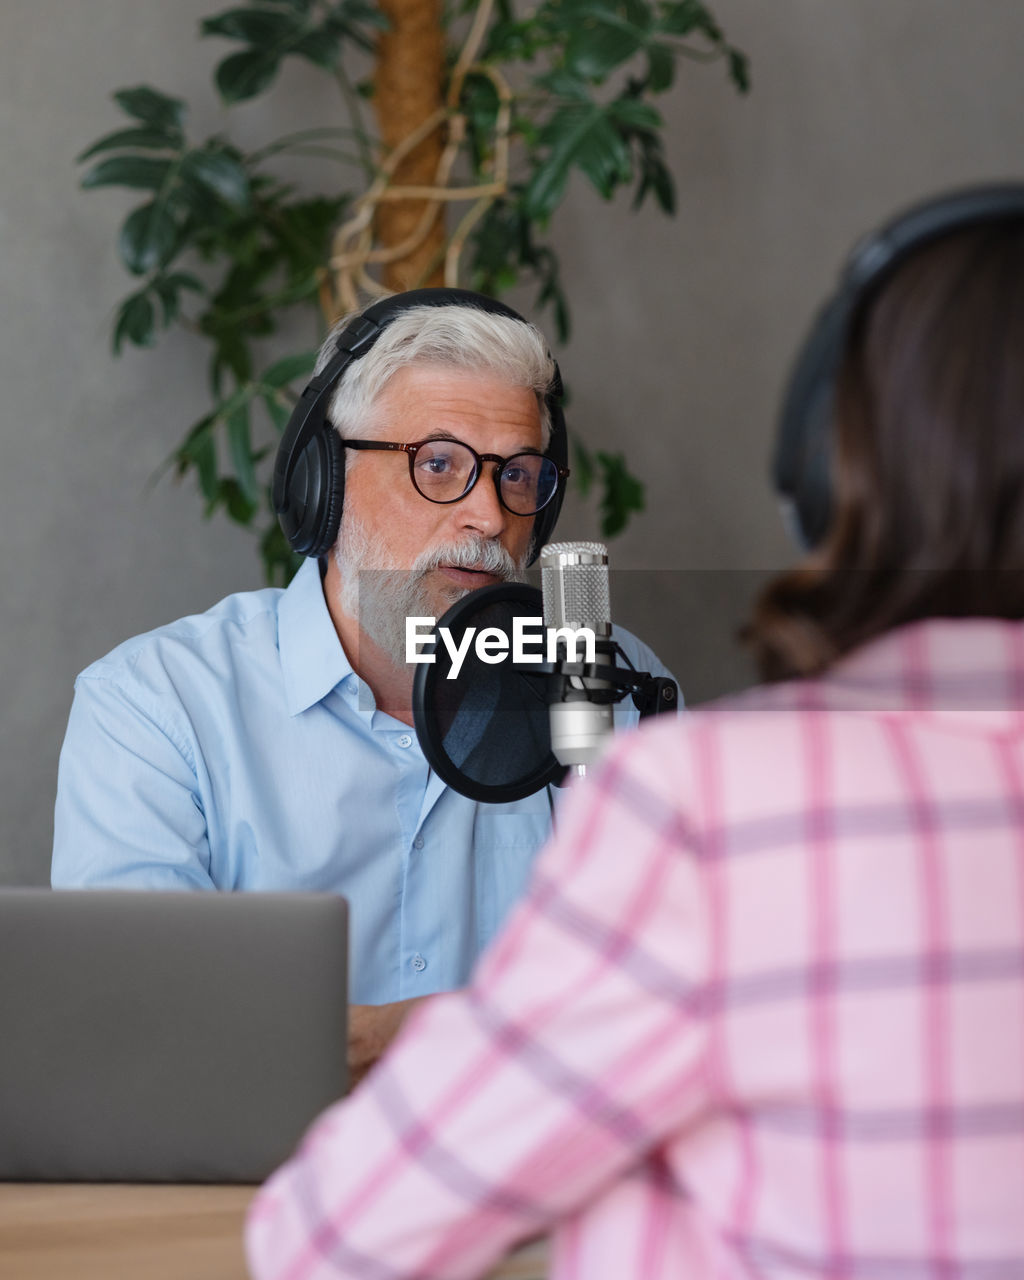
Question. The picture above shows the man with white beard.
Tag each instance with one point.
(265, 744)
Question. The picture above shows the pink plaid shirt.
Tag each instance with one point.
(760, 1015)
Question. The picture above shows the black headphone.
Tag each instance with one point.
(803, 449)
(309, 472)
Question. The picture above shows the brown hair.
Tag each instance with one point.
(928, 474)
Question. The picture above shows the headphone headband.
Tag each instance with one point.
(801, 465)
(309, 470)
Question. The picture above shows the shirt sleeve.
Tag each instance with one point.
(128, 812)
(579, 1046)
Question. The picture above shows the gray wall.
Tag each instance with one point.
(683, 328)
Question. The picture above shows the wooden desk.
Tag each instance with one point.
(87, 1231)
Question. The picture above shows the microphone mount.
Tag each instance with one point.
(652, 695)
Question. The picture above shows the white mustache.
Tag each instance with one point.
(481, 554)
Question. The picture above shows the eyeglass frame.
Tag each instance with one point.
(413, 447)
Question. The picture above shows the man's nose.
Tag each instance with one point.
(481, 509)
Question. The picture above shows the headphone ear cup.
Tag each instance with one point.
(332, 494)
(804, 442)
(311, 514)
(558, 450)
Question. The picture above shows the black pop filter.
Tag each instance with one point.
(487, 732)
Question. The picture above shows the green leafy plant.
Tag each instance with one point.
(515, 104)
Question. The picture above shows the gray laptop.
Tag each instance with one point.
(166, 1037)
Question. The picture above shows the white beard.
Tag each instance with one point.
(381, 597)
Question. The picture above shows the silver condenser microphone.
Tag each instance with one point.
(574, 582)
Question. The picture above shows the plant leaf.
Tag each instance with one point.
(182, 280)
(552, 293)
(633, 114)
(136, 319)
(547, 185)
(199, 450)
(244, 75)
(639, 13)
(152, 107)
(350, 11)
(509, 40)
(596, 49)
(739, 70)
(279, 409)
(266, 29)
(220, 173)
(148, 237)
(303, 231)
(146, 139)
(286, 370)
(230, 355)
(582, 466)
(240, 443)
(622, 493)
(678, 19)
(661, 67)
(144, 172)
(168, 289)
(563, 84)
(584, 137)
(239, 508)
(168, 296)
(685, 16)
(323, 48)
(655, 175)
(348, 19)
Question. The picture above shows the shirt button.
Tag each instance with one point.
(418, 963)
(418, 843)
(405, 740)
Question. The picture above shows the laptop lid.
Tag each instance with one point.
(166, 1037)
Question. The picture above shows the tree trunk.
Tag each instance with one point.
(408, 79)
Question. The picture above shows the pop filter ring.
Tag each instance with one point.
(429, 685)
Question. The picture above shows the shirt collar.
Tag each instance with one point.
(313, 660)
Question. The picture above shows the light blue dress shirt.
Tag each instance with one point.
(237, 749)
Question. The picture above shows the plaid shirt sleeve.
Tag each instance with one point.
(579, 1046)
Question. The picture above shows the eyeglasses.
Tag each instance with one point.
(446, 470)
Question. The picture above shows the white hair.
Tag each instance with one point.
(454, 337)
